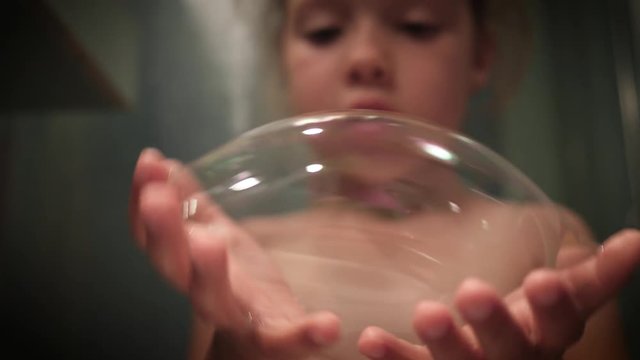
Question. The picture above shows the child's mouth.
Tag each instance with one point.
(371, 104)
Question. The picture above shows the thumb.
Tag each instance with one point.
(597, 279)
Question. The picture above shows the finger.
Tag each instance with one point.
(149, 168)
(184, 178)
(197, 204)
(497, 332)
(165, 233)
(557, 323)
(434, 325)
(594, 281)
(211, 292)
(301, 338)
(378, 344)
(574, 254)
(288, 341)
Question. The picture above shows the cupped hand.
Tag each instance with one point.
(230, 281)
(539, 320)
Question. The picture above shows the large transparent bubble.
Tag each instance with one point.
(368, 213)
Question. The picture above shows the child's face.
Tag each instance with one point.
(420, 57)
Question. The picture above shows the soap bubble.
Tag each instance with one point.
(368, 213)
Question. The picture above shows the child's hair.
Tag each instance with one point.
(504, 21)
(509, 24)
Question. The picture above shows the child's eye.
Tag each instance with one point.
(419, 30)
(324, 36)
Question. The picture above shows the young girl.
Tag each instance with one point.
(424, 58)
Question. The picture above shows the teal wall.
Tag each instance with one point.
(74, 285)
(565, 130)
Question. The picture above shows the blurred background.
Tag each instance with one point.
(85, 85)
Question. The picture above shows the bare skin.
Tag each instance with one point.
(227, 276)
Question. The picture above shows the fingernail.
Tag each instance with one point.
(166, 262)
(151, 153)
(546, 297)
(318, 337)
(436, 331)
(170, 269)
(377, 351)
(478, 310)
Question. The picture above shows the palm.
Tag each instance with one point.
(255, 283)
(539, 320)
(229, 279)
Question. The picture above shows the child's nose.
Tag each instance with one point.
(368, 60)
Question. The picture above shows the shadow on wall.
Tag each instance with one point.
(73, 284)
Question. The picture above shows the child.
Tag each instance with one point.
(424, 58)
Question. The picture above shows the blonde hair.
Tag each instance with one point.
(508, 23)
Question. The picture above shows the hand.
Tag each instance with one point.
(229, 280)
(540, 320)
